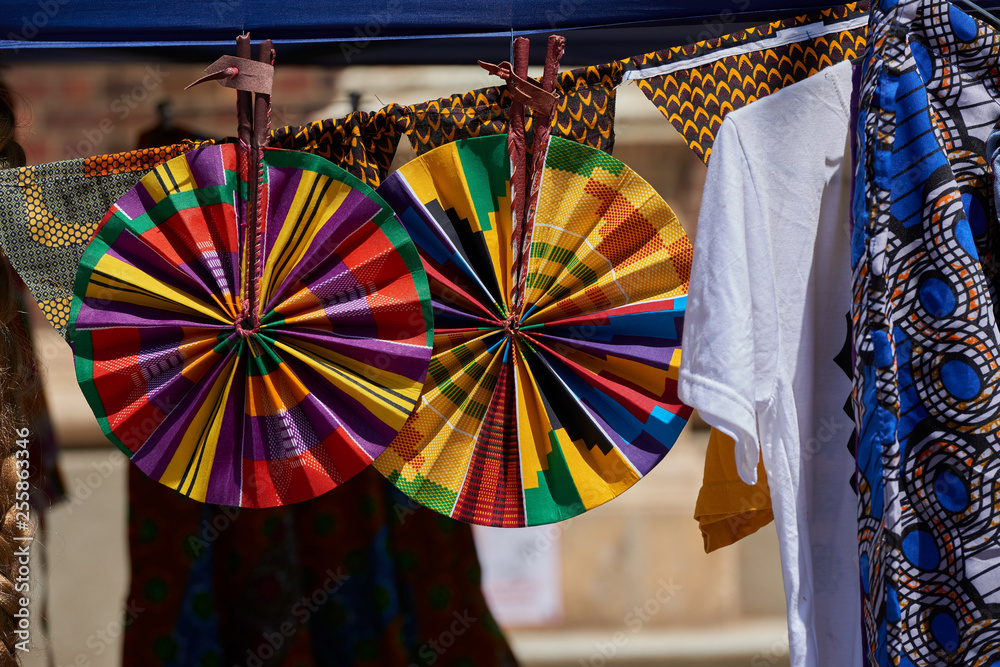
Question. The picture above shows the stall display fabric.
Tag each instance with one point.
(536, 413)
(363, 143)
(246, 401)
(53, 208)
(51, 211)
(926, 338)
(584, 113)
(695, 86)
(728, 509)
(766, 353)
(362, 577)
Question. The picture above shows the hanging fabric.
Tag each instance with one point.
(766, 341)
(695, 86)
(926, 338)
(363, 143)
(584, 113)
(728, 509)
(557, 323)
(51, 211)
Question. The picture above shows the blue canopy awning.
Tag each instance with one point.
(371, 31)
(62, 24)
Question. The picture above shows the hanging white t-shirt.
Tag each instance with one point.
(766, 354)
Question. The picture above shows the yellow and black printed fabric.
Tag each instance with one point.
(363, 143)
(585, 112)
(538, 410)
(49, 212)
(695, 86)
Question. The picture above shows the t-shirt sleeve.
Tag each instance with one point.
(721, 362)
(728, 509)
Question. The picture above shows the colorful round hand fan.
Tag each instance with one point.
(250, 364)
(536, 413)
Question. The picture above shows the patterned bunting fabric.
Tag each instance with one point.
(536, 415)
(51, 211)
(695, 86)
(237, 405)
(585, 112)
(362, 143)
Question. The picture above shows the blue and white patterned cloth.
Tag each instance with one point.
(927, 374)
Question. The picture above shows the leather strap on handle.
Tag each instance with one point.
(541, 98)
(518, 164)
(526, 91)
(539, 149)
(262, 110)
(244, 100)
(553, 54)
(261, 125)
(251, 79)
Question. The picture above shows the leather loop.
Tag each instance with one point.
(262, 101)
(228, 73)
(243, 74)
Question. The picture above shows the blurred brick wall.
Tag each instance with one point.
(66, 110)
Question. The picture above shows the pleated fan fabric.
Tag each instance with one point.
(240, 405)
